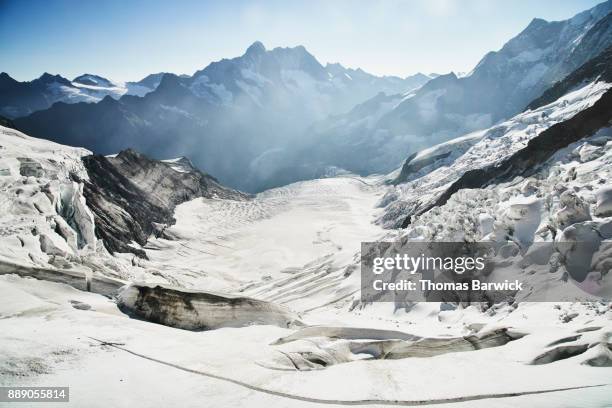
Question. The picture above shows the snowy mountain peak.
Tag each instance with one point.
(255, 49)
(536, 22)
(93, 80)
(6, 79)
(48, 78)
(181, 164)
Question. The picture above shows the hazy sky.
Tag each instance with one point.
(126, 40)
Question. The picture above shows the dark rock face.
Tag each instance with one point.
(499, 87)
(22, 98)
(130, 192)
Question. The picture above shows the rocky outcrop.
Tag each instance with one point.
(131, 194)
(198, 310)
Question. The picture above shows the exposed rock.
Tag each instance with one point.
(412, 166)
(346, 333)
(130, 194)
(80, 305)
(198, 310)
(442, 154)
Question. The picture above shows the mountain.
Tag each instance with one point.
(282, 270)
(92, 80)
(236, 116)
(500, 86)
(133, 196)
(598, 68)
(19, 99)
(22, 98)
(571, 110)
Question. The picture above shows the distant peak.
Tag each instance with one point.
(91, 79)
(256, 48)
(47, 78)
(537, 22)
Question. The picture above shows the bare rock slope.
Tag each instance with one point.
(133, 196)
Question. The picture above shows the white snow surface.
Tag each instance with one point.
(298, 246)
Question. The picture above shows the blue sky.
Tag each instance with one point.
(126, 40)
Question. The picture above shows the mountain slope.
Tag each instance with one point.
(570, 110)
(254, 349)
(598, 68)
(500, 86)
(132, 196)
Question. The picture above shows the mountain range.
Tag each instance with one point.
(19, 99)
(271, 117)
(231, 118)
(125, 273)
(386, 129)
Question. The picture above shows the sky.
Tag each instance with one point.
(127, 40)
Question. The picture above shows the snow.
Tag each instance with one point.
(227, 366)
(452, 145)
(275, 235)
(604, 201)
(95, 93)
(296, 248)
(203, 88)
(534, 75)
